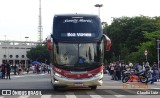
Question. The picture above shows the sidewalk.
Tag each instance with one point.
(157, 83)
(24, 73)
(29, 73)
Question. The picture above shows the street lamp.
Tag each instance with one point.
(99, 6)
(26, 37)
(146, 53)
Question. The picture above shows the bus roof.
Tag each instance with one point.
(72, 15)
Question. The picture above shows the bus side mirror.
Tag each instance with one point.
(49, 43)
(108, 42)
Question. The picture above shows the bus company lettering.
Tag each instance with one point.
(77, 20)
(71, 20)
(79, 34)
(83, 20)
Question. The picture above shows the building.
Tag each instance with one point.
(15, 51)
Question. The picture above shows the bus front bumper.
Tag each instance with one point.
(93, 81)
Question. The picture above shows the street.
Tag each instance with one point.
(109, 89)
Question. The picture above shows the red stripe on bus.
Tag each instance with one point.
(68, 74)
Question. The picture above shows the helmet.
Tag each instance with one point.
(147, 66)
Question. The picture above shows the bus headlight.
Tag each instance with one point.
(98, 75)
(58, 75)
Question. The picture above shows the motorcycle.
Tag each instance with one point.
(131, 75)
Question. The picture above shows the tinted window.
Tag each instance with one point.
(76, 25)
(78, 55)
(79, 27)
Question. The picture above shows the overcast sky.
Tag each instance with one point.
(19, 18)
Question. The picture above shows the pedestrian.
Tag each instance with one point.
(15, 69)
(49, 69)
(115, 72)
(118, 71)
(8, 68)
(22, 68)
(154, 67)
(28, 67)
(19, 70)
(0, 71)
(123, 68)
(3, 70)
(154, 77)
(143, 66)
(112, 71)
(34, 68)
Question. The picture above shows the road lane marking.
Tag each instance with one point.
(24, 96)
(70, 95)
(93, 94)
(46, 96)
(129, 91)
(114, 93)
(17, 76)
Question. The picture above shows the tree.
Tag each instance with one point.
(131, 35)
(39, 53)
(150, 45)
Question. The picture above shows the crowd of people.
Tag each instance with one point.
(5, 70)
(19, 69)
(41, 68)
(117, 69)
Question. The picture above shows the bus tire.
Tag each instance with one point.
(93, 87)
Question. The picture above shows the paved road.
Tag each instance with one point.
(109, 89)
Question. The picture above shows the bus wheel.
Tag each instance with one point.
(93, 87)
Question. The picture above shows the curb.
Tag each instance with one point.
(157, 83)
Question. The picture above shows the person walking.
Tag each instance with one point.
(112, 71)
(28, 68)
(118, 71)
(19, 70)
(15, 69)
(49, 69)
(154, 67)
(0, 72)
(8, 68)
(3, 70)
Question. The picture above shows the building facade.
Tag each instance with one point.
(15, 52)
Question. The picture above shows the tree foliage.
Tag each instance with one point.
(131, 36)
(39, 53)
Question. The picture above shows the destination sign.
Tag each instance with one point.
(78, 34)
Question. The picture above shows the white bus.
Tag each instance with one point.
(77, 51)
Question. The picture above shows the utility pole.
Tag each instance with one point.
(26, 52)
(158, 49)
(40, 38)
(5, 55)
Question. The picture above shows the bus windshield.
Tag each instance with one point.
(78, 56)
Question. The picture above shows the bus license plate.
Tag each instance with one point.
(78, 84)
